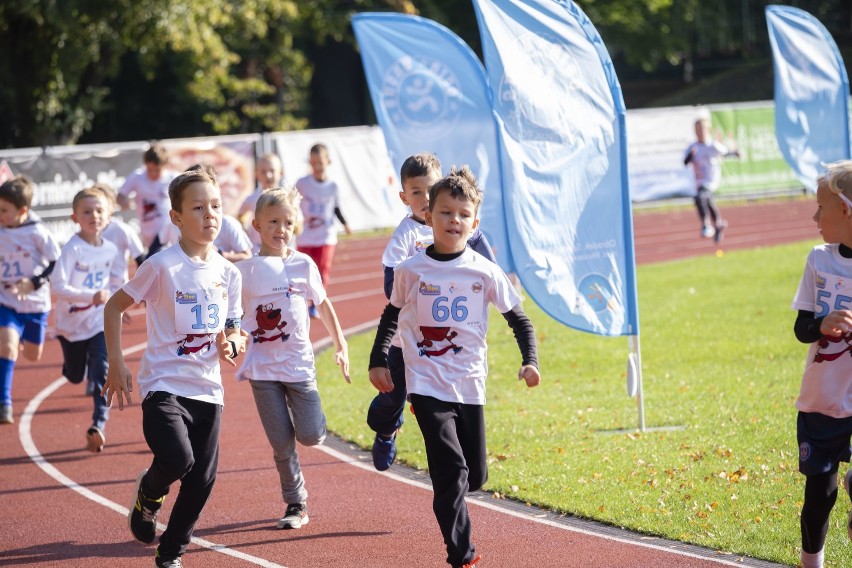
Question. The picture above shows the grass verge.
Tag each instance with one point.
(720, 362)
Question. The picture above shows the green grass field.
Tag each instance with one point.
(720, 363)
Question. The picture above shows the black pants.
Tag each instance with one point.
(706, 207)
(88, 357)
(183, 435)
(454, 436)
(386, 413)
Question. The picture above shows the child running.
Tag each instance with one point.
(824, 303)
(279, 365)
(28, 254)
(440, 303)
(193, 315)
(386, 413)
(320, 205)
(87, 273)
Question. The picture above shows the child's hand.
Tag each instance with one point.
(341, 359)
(381, 379)
(100, 297)
(230, 346)
(529, 374)
(22, 288)
(119, 382)
(837, 323)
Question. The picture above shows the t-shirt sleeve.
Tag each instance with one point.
(50, 248)
(238, 240)
(401, 279)
(134, 244)
(235, 294)
(397, 250)
(316, 291)
(60, 280)
(129, 185)
(501, 292)
(145, 284)
(804, 298)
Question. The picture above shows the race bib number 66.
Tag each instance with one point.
(449, 303)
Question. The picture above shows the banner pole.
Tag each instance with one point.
(634, 376)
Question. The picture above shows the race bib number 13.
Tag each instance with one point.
(195, 314)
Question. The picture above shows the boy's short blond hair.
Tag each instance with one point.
(18, 191)
(88, 192)
(108, 192)
(199, 173)
(838, 177)
(460, 184)
(284, 197)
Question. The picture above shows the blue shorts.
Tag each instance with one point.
(823, 442)
(30, 327)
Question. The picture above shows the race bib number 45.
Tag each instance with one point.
(449, 303)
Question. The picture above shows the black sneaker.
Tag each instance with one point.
(142, 518)
(163, 562)
(295, 518)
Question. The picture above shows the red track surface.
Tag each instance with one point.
(62, 506)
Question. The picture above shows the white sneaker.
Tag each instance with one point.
(847, 481)
(707, 231)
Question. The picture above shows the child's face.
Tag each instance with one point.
(702, 130)
(452, 221)
(92, 214)
(319, 163)
(833, 225)
(200, 216)
(276, 225)
(11, 216)
(153, 170)
(268, 173)
(415, 194)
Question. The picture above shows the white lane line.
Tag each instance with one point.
(25, 435)
(31, 449)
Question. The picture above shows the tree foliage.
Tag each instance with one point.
(196, 67)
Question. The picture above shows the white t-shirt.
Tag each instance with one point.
(707, 163)
(82, 270)
(443, 322)
(231, 237)
(187, 304)
(408, 239)
(26, 251)
(319, 198)
(827, 381)
(276, 292)
(152, 200)
(126, 241)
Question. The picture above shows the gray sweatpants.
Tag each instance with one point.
(290, 412)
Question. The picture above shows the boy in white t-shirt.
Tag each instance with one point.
(87, 273)
(440, 304)
(824, 304)
(150, 186)
(386, 413)
(269, 174)
(705, 156)
(193, 313)
(28, 254)
(279, 365)
(320, 205)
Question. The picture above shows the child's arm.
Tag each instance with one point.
(525, 336)
(231, 342)
(809, 328)
(480, 244)
(25, 287)
(119, 380)
(379, 373)
(329, 320)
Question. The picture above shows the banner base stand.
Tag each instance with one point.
(674, 428)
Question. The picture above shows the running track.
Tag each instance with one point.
(62, 506)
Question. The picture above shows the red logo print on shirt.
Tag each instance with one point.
(826, 343)
(268, 319)
(433, 335)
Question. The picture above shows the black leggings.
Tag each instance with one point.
(820, 496)
(706, 206)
